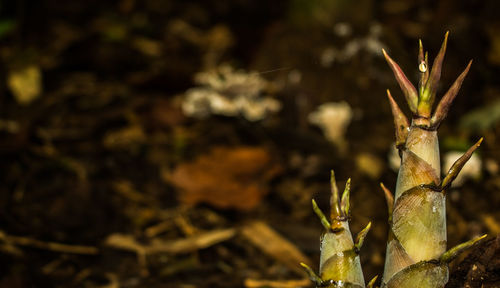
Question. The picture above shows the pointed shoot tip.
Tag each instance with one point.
(458, 165)
(428, 93)
(326, 224)
(400, 121)
(480, 141)
(389, 198)
(451, 254)
(334, 199)
(445, 102)
(371, 284)
(410, 92)
(344, 203)
(312, 275)
(360, 238)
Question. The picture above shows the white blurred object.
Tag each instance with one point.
(227, 92)
(393, 157)
(333, 118)
(370, 43)
(342, 29)
(471, 170)
(491, 166)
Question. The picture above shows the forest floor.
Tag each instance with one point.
(177, 144)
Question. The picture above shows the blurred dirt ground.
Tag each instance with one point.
(179, 143)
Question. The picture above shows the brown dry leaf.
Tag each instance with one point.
(274, 245)
(226, 177)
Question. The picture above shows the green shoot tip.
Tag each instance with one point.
(371, 284)
(344, 203)
(312, 275)
(451, 254)
(360, 239)
(321, 216)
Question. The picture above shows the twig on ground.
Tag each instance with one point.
(51, 246)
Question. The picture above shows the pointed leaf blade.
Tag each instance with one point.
(446, 101)
(426, 99)
(458, 165)
(409, 90)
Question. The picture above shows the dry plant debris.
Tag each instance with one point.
(9, 243)
(183, 245)
(274, 245)
(226, 177)
(253, 283)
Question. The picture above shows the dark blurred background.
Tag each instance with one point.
(179, 143)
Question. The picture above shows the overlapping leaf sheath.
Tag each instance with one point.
(416, 250)
(339, 261)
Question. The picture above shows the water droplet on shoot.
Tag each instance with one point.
(422, 67)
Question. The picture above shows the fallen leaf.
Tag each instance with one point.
(226, 177)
